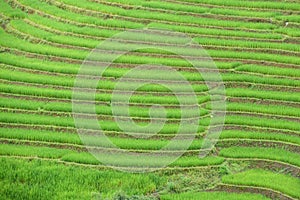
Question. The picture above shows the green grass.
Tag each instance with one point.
(261, 178)
(263, 153)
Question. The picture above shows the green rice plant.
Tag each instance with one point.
(106, 125)
(165, 16)
(280, 71)
(262, 153)
(252, 93)
(87, 158)
(38, 64)
(253, 78)
(247, 44)
(10, 12)
(255, 56)
(71, 138)
(32, 151)
(53, 10)
(40, 135)
(213, 196)
(291, 31)
(258, 108)
(67, 68)
(29, 179)
(252, 4)
(134, 111)
(57, 25)
(109, 85)
(67, 94)
(14, 42)
(266, 179)
(215, 32)
(22, 26)
(236, 134)
(289, 18)
(196, 9)
(186, 161)
(94, 31)
(262, 122)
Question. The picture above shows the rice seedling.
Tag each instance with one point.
(266, 179)
(53, 10)
(22, 180)
(165, 16)
(263, 153)
(254, 4)
(234, 134)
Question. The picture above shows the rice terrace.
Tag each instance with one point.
(150, 99)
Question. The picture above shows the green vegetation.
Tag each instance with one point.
(266, 179)
(22, 180)
(251, 45)
(264, 153)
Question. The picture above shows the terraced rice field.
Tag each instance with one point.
(255, 46)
